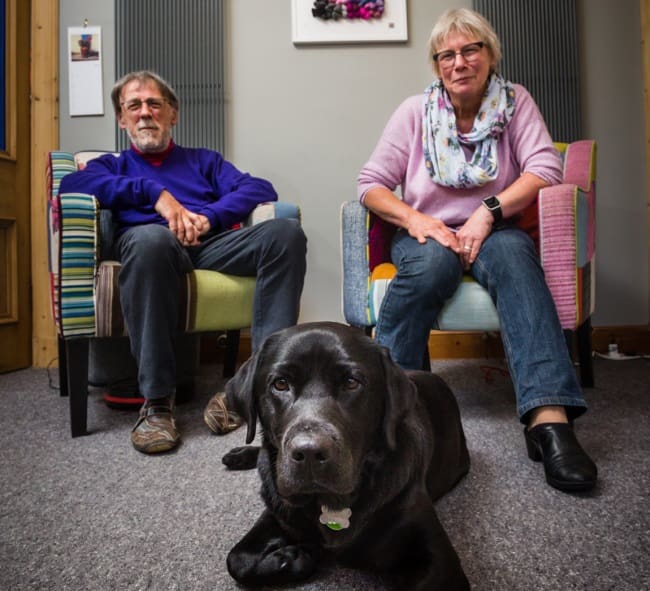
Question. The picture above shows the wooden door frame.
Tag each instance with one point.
(645, 57)
(45, 137)
(15, 308)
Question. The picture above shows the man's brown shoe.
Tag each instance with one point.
(155, 430)
(218, 417)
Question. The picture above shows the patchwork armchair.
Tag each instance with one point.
(85, 291)
(561, 221)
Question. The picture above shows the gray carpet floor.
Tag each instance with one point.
(92, 513)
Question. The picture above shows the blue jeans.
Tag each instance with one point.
(508, 267)
(154, 264)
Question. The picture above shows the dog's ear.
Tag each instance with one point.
(240, 395)
(401, 394)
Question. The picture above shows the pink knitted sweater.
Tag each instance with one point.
(398, 160)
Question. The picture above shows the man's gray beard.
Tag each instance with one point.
(151, 146)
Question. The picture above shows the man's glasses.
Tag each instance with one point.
(134, 105)
(469, 52)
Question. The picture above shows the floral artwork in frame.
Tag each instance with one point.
(348, 21)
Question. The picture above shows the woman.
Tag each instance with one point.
(470, 156)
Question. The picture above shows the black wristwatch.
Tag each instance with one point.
(494, 207)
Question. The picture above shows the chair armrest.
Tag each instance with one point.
(567, 248)
(273, 210)
(73, 239)
(580, 164)
(355, 262)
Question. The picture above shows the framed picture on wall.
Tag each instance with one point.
(354, 21)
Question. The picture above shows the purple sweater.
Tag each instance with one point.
(398, 160)
(201, 180)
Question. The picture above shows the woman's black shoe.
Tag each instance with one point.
(566, 465)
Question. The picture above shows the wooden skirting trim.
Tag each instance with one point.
(475, 345)
(631, 340)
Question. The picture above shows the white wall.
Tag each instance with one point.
(613, 114)
(308, 117)
(96, 132)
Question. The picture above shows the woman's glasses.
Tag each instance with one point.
(469, 53)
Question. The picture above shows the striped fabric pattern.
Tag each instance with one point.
(78, 222)
(355, 262)
(110, 321)
(557, 207)
(109, 310)
(568, 235)
(72, 220)
(60, 164)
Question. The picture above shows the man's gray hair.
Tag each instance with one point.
(143, 76)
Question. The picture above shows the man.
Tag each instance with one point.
(175, 209)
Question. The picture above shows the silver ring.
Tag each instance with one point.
(467, 247)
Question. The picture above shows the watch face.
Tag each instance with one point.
(491, 202)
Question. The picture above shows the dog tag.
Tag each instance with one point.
(335, 520)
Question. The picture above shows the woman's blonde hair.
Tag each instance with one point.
(469, 23)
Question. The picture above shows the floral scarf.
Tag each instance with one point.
(441, 140)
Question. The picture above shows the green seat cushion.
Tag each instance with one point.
(219, 302)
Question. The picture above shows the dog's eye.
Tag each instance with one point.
(280, 385)
(351, 383)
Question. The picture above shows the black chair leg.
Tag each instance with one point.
(585, 357)
(77, 374)
(63, 367)
(584, 352)
(426, 362)
(568, 337)
(231, 353)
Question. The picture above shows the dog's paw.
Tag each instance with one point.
(275, 565)
(287, 563)
(241, 458)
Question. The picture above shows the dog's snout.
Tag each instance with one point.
(309, 448)
(313, 458)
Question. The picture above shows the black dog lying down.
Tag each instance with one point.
(354, 453)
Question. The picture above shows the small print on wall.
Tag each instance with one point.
(85, 71)
(348, 21)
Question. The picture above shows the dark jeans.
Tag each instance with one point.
(153, 266)
(508, 267)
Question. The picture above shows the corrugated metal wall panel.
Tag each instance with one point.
(184, 43)
(540, 51)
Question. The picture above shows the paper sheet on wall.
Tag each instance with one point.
(85, 71)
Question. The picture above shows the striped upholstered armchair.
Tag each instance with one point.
(562, 223)
(85, 292)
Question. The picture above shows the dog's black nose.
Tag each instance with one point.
(310, 449)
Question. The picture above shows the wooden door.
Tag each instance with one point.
(15, 305)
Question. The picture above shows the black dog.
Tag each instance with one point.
(354, 453)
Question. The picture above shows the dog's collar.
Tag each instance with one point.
(335, 520)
